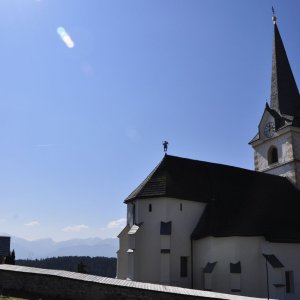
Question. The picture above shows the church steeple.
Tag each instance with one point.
(285, 98)
(278, 139)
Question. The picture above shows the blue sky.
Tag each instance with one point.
(82, 126)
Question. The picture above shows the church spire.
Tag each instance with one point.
(285, 97)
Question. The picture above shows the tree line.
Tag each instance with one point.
(100, 266)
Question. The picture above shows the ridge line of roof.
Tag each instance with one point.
(222, 165)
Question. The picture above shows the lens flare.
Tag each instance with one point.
(65, 37)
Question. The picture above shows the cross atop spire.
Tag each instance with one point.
(274, 17)
(285, 98)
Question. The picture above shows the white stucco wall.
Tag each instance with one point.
(148, 256)
(150, 265)
(253, 278)
(122, 256)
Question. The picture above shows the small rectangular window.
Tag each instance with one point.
(183, 266)
(235, 268)
(289, 282)
(180, 206)
(166, 251)
(166, 228)
(150, 207)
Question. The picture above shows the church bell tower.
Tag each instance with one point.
(277, 143)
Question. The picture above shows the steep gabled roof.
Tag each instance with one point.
(239, 201)
(182, 178)
(285, 98)
(153, 186)
(272, 212)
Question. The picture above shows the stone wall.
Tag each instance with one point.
(52, 284)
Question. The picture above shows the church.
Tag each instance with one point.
(220, 228)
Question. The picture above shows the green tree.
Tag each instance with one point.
(81, 268)
(11, 258)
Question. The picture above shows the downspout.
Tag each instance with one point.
(268, 292)
(192, 264)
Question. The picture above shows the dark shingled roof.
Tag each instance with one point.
(240, 202)
(285, 97)
(178, 178)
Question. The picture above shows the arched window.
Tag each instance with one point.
(272, 155)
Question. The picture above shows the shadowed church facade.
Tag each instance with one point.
(221, 228)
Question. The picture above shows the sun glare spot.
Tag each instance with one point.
(66, 38)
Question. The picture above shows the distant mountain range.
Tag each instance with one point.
(77, 247)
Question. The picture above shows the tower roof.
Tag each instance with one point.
(285, 97)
